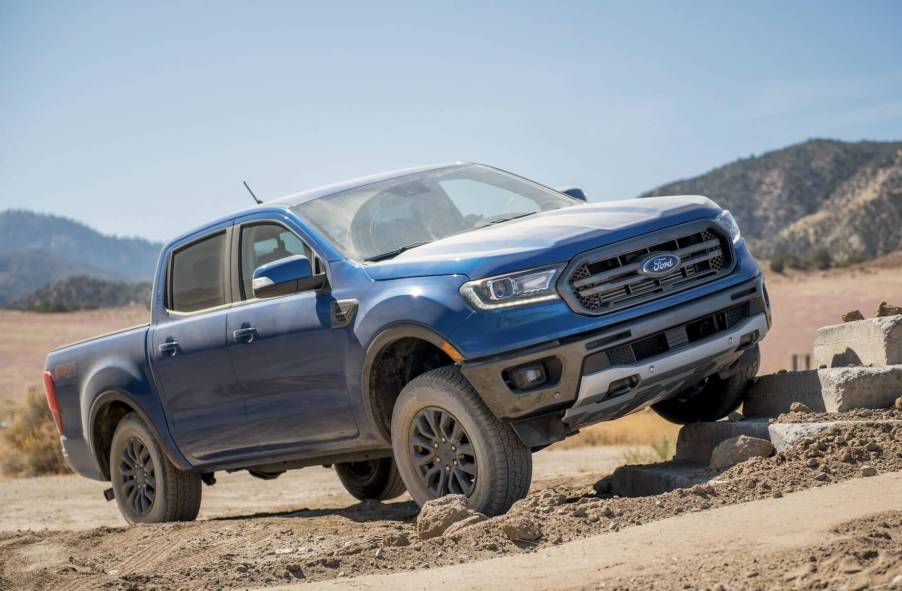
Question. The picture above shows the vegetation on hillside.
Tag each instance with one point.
(30, 445)
(85, 293)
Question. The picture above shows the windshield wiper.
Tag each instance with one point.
(395, 252)
(507, 219)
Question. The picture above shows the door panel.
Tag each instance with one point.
(204, 401)
(283, 349)
(296, 390)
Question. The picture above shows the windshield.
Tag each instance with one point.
(381, 219)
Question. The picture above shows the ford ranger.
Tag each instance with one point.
(424, 330)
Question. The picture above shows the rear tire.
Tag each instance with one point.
(715, 399)
(147, 486)
(377, 480)
(446, 441)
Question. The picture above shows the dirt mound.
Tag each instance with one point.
(374, 537)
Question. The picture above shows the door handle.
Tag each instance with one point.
(170, 347)
(245, 334)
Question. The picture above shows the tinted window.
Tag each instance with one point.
(262, 244)
(197, 275)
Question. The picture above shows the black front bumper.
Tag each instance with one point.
(562, 405)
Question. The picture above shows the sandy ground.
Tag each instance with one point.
(678, 552)
(73, 503)
(750, 527)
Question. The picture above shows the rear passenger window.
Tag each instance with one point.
(197, 275)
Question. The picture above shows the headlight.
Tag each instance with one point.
(729, 224)
(515, 289)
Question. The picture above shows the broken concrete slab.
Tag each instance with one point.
(785, 435)
(696, 441)
(654, 479)
(871, 342)
(835, 389)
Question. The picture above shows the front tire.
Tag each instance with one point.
(446, 441)
(147, 486)
(716, 398)
(377, 480)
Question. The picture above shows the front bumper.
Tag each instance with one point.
(590, 381)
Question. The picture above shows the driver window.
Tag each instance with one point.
(264, 243)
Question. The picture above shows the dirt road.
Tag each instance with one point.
(74, 503)
(681, 550)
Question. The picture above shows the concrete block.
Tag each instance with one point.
(824, 390)
(697, 441)
(875, 341)
(654, 479)
(785, 435)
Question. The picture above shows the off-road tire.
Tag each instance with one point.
(716, 398)
(377, 480)
(177, 493)
(503, 463)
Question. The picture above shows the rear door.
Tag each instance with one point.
(289, 366)
(191, 366)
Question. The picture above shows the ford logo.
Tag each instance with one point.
(659, 264)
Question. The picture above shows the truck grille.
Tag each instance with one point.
(609, 278)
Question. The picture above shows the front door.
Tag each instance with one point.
(283, 351)
(190, 361)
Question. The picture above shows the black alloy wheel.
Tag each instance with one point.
(138, 476)
(443, 453)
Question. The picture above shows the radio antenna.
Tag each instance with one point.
(251, 192)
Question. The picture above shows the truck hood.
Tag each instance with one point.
(544, 238)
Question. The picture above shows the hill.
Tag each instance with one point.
(38, 249)
(85, 293)
(840, 197)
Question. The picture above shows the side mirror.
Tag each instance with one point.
(574, 192)
(289, 275)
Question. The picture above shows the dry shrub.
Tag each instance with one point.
(642, 428)
(659, 451)
(30, 446)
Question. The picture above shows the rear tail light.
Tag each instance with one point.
(50, 391)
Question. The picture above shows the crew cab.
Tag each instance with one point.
(425, 330)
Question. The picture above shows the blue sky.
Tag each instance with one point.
(143, 118)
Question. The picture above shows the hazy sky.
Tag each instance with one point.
(142, 118)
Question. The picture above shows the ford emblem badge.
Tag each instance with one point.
(659, 264)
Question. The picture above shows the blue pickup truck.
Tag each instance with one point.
(424, 330)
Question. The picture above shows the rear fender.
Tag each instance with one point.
(113, 384)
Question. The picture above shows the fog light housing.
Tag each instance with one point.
(528, 376)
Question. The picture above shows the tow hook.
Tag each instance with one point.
(109, 494)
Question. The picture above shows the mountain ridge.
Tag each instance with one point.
(821, 195)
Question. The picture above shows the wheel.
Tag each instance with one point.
(446, 441)
(715, 398)
(371, 479)
(148, 488)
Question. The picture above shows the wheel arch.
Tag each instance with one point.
(107, 410)
(409, 348)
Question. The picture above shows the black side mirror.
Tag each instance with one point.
(289, 275)
(574, 192)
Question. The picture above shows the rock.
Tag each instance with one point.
(898, 403)
(800, 407)
(242, 568)
(438, 515)
(812, 463)
(852, 316)
(396, 540)
(868, 470)
(885, 309)
(696, 441)
(739, 449)
(521, 529)
(379, 553)
(464, 523)
(821, 477)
